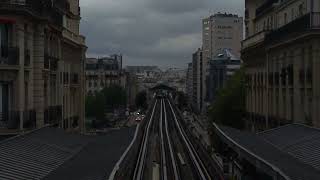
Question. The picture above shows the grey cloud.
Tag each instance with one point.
(176, 6)
(158, 32)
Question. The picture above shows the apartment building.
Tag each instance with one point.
(220, 31)
(281, 56)
(221, 68)
(197, 79)
(189, 83)
(104, 72)
(41, 65)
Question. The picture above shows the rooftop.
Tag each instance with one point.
(224, 15)
(52, 153)
(291, 151)
(225, 54)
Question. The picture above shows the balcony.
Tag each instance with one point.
(50, 62)
(255, 39)
(9, 56)
(308, 22)
(34, 8)
(73, 37)
(265, 7)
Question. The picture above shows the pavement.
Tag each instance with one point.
(97, 159)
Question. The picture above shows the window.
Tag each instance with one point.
(285, 18)
(4, 42)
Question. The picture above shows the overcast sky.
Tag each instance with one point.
(149, 32)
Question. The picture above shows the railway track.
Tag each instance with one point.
(164, 143)
(199, 166)
(139, 168)
(167, 146)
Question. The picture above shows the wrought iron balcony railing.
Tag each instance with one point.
(42, 9)
(266, 6)
(305, 23)
(310, 21)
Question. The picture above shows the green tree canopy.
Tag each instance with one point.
(229, 106)
(115, 97)
(108, 99)
(90, 101)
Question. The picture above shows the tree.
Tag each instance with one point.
(141, 100)
(115, 97)
(108, 99)
(229, 106)
(90, 102)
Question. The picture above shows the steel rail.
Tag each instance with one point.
(163, 150)
(203, 173)
(173, 159)
(138, 172)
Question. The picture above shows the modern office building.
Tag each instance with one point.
(281, 56)
(189, 83)
(220, 31)
(104, 72)
(221, 68)
(41, 65)
(197, 66)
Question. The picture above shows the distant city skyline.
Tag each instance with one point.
(149, 32)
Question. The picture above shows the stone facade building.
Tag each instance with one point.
(104, 72)
(282, 60)
(41, 64)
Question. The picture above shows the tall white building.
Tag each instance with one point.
(219, 31)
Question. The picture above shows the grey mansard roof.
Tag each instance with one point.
(51, 153)
(291, 151)
(300, 141)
